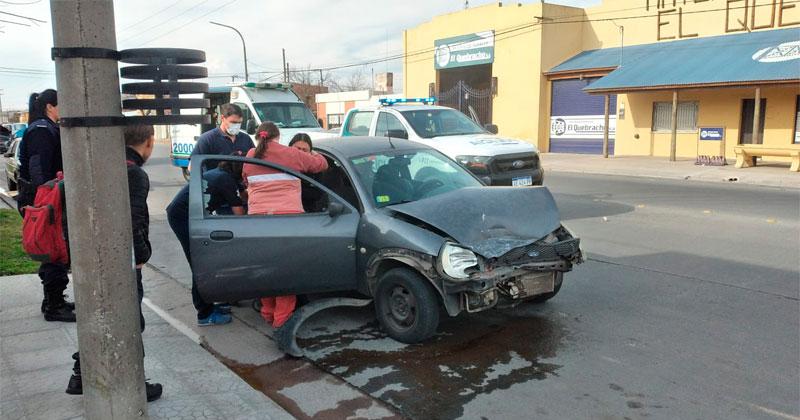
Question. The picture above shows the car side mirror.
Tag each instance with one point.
(251, 127)
(397, 134)
(492, 128)
(335, 208)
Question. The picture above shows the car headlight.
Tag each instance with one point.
(455, 260)
(476, 164)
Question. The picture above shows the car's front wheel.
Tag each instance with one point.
(407, 306)
(185, 173)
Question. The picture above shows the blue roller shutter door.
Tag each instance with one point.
(576, 118)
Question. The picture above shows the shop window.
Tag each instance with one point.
(687, 116)
(797, 121)
(335, 120)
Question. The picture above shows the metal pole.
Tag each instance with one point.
(244, 47)
(673, 143)
(285, 73)
(320, 78)
(100, 231)
(757, 117)
(605, 126)
(2, 115)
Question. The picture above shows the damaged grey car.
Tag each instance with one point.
(393, 221)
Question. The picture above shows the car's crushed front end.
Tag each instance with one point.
(503, 245)
(526, 272)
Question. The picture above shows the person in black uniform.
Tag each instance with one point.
(40, 161)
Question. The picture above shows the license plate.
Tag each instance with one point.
(521, 181)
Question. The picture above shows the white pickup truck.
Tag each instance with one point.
(495, 159)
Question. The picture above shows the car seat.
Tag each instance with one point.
(392, 183)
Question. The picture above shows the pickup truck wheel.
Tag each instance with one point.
(185, 172)
(547, 296)
(407, 306)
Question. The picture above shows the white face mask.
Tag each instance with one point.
(234, 128)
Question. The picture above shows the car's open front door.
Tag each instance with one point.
(240, 257)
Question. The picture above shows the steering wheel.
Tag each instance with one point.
(428, 186)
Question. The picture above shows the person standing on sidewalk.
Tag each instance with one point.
(139, 142)
(226, 139)
(40, 161)
(223, 184)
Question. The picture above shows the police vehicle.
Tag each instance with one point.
(259, 102)
(497, 160)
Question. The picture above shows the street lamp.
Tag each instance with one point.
(244, 48)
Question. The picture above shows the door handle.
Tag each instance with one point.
(221, 235)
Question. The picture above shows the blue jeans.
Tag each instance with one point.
(180, 226)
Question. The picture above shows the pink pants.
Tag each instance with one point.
(277, 310)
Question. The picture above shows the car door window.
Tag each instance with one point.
(386, 122)
(358, 123)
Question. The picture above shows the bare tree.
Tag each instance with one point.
(356, 80)
(310, 76)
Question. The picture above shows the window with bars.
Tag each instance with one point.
(687, 116)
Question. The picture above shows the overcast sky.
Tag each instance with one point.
(319, 33)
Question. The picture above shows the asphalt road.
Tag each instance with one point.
(686, 308)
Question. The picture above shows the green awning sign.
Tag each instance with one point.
(464, 50)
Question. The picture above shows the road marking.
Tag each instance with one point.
(178, 325)
(775, 413)
(640, 206)
(770, 220)
(706, 211)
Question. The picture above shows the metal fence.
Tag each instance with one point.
(475, 103)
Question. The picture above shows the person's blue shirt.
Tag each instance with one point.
(215, 142)
(222, 188)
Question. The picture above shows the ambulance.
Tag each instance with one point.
(259, 102)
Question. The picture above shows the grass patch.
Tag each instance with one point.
(13, 260)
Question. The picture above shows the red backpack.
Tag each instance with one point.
(42, 229)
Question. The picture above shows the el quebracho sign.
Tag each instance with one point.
(464, 50)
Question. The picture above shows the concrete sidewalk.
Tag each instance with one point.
(771, 174)
(35, 365)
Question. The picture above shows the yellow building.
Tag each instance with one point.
(542, 72)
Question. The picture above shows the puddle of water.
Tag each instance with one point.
(472, 355)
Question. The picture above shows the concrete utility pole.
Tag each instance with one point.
(673, 142)
(99, 216)
(2, 115)
(285, 72)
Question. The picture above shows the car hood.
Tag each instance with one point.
(479, 145)
(489, 220)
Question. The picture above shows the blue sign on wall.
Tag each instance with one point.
(712, 133)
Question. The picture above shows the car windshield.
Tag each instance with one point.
(286, 114)
(430, 123)
(402, 177)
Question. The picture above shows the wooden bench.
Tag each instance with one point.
(746, 154)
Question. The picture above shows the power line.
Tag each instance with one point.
(23, 17)
(190, 22)
(150, 16)
(161, 23)
(14, 23)
(20, 4)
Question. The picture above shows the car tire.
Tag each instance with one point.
(559, 280)
(407, 306)
(185, 173)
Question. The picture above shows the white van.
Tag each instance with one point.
(259, 102)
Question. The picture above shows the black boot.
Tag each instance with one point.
(153, 391)
(57, 309)
(69, 305)
(75, 386)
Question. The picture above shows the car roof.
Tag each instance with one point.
(349, 147)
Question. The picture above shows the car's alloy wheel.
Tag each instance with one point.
(406, 305)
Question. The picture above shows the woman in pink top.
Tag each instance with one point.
(274, 192)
